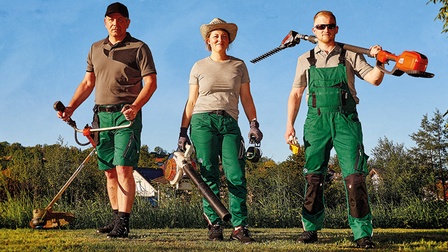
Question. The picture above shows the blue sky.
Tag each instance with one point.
(44, 44)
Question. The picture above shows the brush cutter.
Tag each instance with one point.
(180, 165)
(411, 62)
(46, 218)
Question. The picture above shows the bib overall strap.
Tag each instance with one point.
(312, 59)
(328, 88)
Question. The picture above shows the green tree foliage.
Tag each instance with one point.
(395, 177)
(400, 197)
(431, 152)
(39, 172)
(276, 192)
(443, 13)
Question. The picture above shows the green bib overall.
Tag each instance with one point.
(332, 121)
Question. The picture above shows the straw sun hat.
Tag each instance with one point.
(218, 23)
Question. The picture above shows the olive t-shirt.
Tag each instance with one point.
(119, 69)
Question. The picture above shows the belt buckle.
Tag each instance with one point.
(219, 112)
(110, 108)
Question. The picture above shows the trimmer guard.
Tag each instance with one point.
(47, 219)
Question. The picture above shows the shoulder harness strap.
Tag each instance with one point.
(312, 59)
(342, 57)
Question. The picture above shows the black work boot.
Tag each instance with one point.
(365, 242)
(121, 228)
(215, 233)
(308, 237)
(241, 234)
(109, 227)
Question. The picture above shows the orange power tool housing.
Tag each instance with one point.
(410, 62)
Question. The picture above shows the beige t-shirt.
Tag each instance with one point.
(355, 63)
(219, 84)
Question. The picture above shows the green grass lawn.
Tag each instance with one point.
(278, 239)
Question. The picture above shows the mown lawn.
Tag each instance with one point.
(283, 239)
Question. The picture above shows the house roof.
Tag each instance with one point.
(152, 174)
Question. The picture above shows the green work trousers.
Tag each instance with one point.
(323, 131)
(121, 146)
(215, 136)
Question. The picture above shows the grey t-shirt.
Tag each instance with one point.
(219, 84)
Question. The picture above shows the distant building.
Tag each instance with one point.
(143, 187)
(375, 176)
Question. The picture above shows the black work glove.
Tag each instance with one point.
(183, 139)
(254, 132)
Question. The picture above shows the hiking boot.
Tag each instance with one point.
(109, 227)
(308, 237)
(121, 229)
(365, 242)
(215, 233)
(241, 234)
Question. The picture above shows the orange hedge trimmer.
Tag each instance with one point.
(411, 62)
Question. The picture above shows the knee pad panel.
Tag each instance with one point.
(357, 197)
(314, 193)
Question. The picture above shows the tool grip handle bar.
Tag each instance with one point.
(110, 128)
(356, 49)
(59, 106)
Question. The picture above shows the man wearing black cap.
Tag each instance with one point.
(122, 70)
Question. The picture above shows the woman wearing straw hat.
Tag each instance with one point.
(217, 83)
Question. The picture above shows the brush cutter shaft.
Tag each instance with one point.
(69, 181)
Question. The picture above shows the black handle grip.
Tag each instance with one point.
(59, 106)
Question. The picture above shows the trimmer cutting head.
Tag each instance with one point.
(47, 219)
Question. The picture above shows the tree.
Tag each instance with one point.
(431, 151)
(443, 13)
(276, 191)
(399, 178)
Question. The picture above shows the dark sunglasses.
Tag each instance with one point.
(323, 26)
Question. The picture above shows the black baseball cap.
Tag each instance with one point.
(117, 8)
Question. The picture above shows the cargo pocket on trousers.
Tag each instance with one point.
(131, 148)
(242, 150)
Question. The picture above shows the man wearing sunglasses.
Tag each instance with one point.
(327, 72)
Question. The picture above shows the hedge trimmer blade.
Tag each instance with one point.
(289, 41)
(271, 52)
